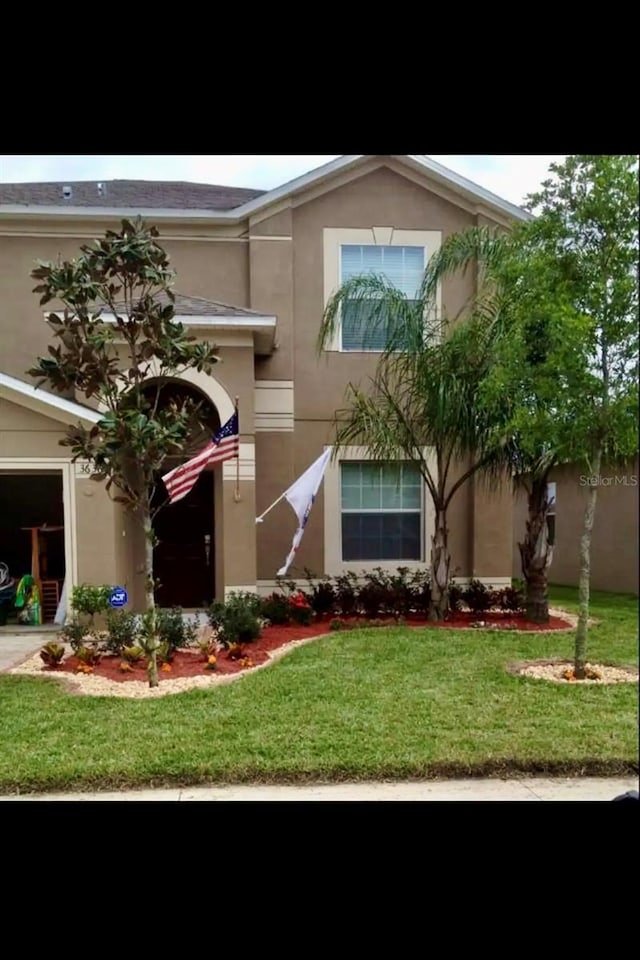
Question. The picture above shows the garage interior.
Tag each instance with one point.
(32, 534)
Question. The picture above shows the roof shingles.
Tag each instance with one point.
(134, 194)
(185, 306)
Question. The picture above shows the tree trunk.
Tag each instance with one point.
(440, 564)
(585, 572)
(536, 553)
(151, 639)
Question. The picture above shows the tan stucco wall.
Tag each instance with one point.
(490, 526)
(614, 546)
(382, 197)
(98, 529)
(25, 433)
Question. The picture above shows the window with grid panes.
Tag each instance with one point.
(381, 507)
(401, 266)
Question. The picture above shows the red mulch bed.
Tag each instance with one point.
(193, 664)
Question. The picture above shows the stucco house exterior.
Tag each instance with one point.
(254, 271)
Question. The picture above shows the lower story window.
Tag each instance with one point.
(381, 506)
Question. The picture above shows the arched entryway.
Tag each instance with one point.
(184, 556)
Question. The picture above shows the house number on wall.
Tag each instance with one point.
(84, 469)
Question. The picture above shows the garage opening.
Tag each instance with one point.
(32, 545)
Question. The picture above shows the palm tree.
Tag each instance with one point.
(528, 389)
(421, 403)
(460, 389)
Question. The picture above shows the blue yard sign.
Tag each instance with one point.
(119, 597)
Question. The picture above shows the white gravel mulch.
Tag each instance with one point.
(553, 670)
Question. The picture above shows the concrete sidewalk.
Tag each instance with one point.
(530, 788)
(16, 647)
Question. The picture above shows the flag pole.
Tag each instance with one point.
(275, 502)
(236, 493)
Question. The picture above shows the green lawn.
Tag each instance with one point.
(369, 704)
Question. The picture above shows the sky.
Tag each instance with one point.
(511, 176)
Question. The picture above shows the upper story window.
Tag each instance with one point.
(397, 254)
(401, 266)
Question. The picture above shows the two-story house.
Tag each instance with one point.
(254, 271)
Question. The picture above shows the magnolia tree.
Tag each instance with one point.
(587, 230)
(122, 365)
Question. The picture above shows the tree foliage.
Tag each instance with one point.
(586, 232)
(118, 346)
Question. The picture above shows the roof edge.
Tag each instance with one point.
(441, 173)
(27, 395)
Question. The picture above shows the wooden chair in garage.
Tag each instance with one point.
(39, 567)
(50, 599)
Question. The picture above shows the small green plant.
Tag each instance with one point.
(276, 609)
(206, 646)
(52, 654)
(335, 624)
(235, 651)
(89, 655)
(73, 632)
(133, 654)
(174, 629)
(122, 631)
(166, 652)
(90, 600)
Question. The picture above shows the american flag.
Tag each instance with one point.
(224, 446)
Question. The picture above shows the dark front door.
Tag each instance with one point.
(183, 558)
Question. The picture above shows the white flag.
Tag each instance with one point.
(301, 496)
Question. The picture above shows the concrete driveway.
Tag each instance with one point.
(15, 647)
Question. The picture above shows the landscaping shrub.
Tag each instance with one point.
(276, 609)
(236, 619)
(456, 597)
(52, 654)
(123, 630)
(322, 595)
(90, 600)
(372, 597)
(299, 608)
(421, 591)
(133, 654)
(174, 630)
(89, 655)
(478, 597)
(165, 653)
(346, 587)
(73, 633)
(512, 599)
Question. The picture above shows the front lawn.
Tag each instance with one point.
(367, 704)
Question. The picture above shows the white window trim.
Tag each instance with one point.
(334, 237)
(333, 562)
